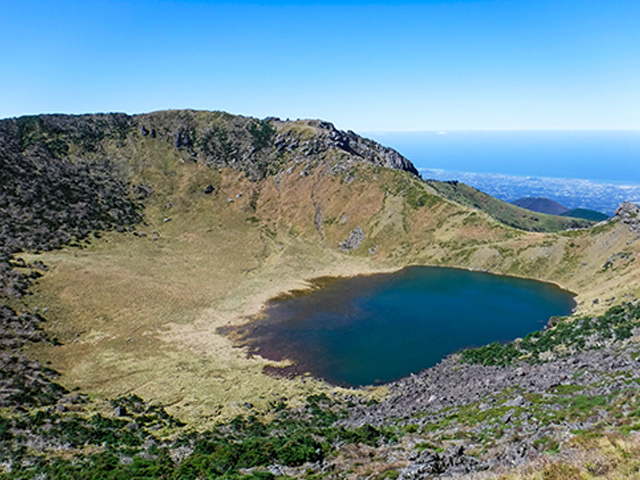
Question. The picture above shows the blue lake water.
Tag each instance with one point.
(378, 328)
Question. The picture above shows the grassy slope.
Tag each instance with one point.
(586, 214)
(505, 212)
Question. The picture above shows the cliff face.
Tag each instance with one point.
(326, 138)
(262, 147)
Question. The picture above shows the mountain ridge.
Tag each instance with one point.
(587, 214)
(504, 212)
(216, 138)
(548, 206)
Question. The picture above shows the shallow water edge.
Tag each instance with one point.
(341, 329)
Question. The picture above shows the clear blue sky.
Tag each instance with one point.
(366, 66)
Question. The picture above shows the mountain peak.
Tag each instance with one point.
(541, 205)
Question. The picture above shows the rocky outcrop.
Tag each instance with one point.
(427, 464)
(354, 240)
(627, 213)
(327, 137)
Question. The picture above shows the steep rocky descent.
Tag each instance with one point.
(507, 415)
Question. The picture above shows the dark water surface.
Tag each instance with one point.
(378, 328)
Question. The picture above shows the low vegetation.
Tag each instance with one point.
(505, 212)
(142, 441)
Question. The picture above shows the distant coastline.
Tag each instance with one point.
(598, 156)
(572, 192)
(579, 169)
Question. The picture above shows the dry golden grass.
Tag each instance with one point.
(140, 315)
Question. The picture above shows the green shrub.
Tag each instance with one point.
(262, 133)
(616, 323)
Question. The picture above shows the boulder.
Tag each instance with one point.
(627, 213)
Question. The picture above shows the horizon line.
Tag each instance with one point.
(456, 130)
(441, 131)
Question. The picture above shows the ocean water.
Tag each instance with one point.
(602, 156)
(588, 169)
(374, 329)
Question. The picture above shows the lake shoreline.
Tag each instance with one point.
(272, 348)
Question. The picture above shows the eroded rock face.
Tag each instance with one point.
(344, 149)
(628, 212)
(368, 150)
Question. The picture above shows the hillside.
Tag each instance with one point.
(129, 241)
(541, 205)
(586, 214)
(548, 206)
(517, 215)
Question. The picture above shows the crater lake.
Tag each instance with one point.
(374, 329)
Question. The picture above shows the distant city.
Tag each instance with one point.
(572, 193)
(596, 170)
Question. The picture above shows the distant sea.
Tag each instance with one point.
(588, 169)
